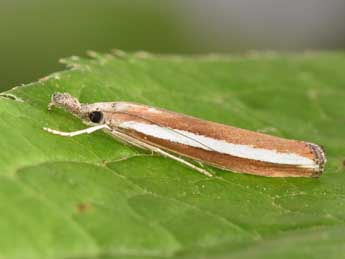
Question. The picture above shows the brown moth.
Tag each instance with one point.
(177, 135)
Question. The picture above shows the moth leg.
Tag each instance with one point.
(131, 141)
(78, 132)
(143, 145)
(182, 161)
(127, 139)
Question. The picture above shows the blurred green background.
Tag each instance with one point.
(35, 34)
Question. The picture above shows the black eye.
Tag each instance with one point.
(95, 116)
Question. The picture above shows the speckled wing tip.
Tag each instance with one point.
(320, 158)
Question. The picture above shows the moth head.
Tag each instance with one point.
(95, 113)
(65, 101)
(89, 113)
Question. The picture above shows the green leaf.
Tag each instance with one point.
(92, 197)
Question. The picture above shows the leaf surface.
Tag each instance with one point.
(92, 197)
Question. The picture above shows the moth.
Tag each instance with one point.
(184, 138)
